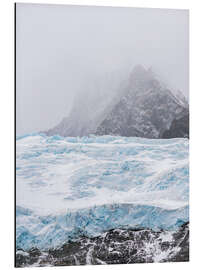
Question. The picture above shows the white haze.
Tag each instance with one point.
(62, 50)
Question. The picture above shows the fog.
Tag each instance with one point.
(61, 49)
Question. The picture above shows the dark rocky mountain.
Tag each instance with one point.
(143, 106)
(147, 109)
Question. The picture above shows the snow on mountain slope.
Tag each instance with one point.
(146, 109)
(71, 186)
(139, 104)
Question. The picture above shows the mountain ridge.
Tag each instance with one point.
(142, 106)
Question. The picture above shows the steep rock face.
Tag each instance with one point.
(179, 128)
(146, 109)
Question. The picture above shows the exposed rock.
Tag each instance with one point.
(179, 128)
(114, 247)
(142, 106)
(146, 109)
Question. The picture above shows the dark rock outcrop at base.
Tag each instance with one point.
(179, 128)
(118, 246)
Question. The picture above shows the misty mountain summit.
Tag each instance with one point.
(147, 108)
(142, 106)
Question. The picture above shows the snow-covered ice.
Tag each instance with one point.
(72, 186)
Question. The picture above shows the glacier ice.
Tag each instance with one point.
(67, 187)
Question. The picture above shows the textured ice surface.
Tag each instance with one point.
(72, 186)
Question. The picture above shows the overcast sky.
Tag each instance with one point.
(60, 48)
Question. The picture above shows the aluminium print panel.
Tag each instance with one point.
(102, 135)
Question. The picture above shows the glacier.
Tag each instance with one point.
(68, 187)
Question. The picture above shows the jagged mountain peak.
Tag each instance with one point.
(146, 109)
(142, 79)
(142, 106)
(141, 73)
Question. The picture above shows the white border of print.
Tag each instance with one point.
(196, 127)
